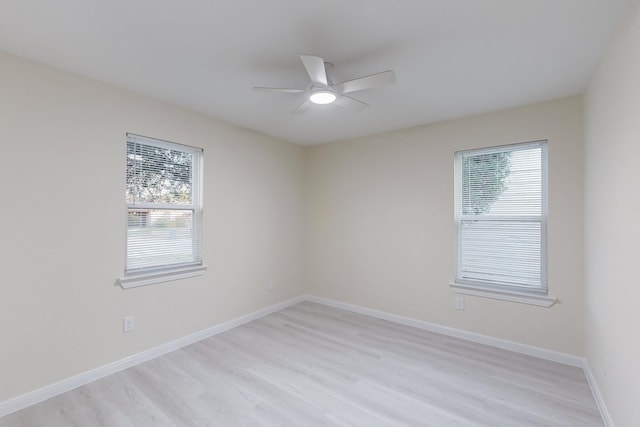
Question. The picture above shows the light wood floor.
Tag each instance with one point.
(312, 365)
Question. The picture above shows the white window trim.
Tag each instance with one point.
(149, 276)
(160, 276)
(506, 293)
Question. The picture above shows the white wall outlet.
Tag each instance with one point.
(329, 278)
(272, 285)
(459, 303)
(128, 324)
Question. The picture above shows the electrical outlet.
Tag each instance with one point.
(459, 303)
(329, 279)
(128, 324)
(272, 285)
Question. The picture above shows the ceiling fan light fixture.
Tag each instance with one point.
(323, 91)
(322, 96)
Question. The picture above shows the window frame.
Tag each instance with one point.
(146, 275)
(485, 288)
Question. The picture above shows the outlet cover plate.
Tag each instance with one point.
(128, 324)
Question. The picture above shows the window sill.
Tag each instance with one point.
(512, 296)
(144, 279)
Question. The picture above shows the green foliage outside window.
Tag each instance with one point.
(158, 175)
(484, 180)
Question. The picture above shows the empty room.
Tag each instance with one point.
(296, 213)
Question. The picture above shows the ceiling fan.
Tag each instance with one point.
(323, 91)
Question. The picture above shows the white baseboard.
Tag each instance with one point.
(31, 398)
(596, 394)
(542, 353)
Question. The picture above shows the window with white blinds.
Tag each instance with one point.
(500, 213)
(164, 206)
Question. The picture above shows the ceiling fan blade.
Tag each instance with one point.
(315, 69)
(350, 103)
(302, 107)
(278, 89)
(367, 82)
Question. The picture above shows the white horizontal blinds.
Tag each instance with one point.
(163, 204)
(501, 216)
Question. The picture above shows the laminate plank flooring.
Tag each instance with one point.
(313, 365)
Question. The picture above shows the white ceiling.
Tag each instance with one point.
(452, 58)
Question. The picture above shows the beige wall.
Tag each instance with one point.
(376, 213)
(612, 228)
(380, 219)
(62, 225)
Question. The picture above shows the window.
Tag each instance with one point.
(164, 211)
(500, 214)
